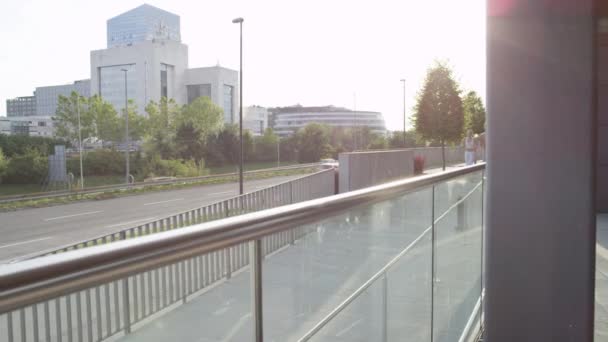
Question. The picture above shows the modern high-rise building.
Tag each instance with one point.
(144, 45)
(144, 49)
(143, 23)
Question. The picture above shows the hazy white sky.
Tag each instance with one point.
(312, 52)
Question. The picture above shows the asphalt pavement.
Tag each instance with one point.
(29, 231)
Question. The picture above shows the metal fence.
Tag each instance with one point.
(316, 185)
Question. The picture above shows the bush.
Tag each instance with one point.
(28, 168)
(156, 167)
(98, 163)
(419, 164)
(13, 145)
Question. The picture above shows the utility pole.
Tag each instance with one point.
(127, 143)
(404, 114)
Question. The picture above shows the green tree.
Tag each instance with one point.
(474, 113)
(396, 139)
(195, 123)
(160, 130)
(439, 113)
(28, 168)
(105, 119)
(265, 146)
(3, 165)
(66, 118)
(313, 141)
(137, 123)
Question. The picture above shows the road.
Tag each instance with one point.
(31, 230)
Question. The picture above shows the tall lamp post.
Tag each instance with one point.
(127, 143)
(240, 22)
(79, 141)
(404, 114)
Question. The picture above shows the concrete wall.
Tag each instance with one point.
(362, 169)
(432, 155)
(217, 77)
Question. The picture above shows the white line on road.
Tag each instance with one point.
(24, 242)
(167, 201)
(235, 329)
(348, 328)
(123, 223)
(221, 193)
(66, 216)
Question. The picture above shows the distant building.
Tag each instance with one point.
(48, 97)
(146, 42)
(255, 119)
(5, 125)
(21, 106)
(41, 126)
(143, 23)
(219, 84)
(288, 120)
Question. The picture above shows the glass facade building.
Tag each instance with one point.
(112, 84)
(228, 103)
(21, 106)
(47, 97)
(143, 23)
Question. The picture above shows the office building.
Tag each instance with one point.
(47, 97)
(143, 23)
(255, 119)
(21, 106)
(288, 120)
(5, 125)
(40, 126)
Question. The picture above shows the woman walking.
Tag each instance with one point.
(469, 148)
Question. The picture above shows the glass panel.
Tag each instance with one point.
(330, 260)
(457, 252)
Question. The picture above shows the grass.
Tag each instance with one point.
(51, 201)
(247, 167)
(19, 189)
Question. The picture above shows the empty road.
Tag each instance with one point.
(31, 230)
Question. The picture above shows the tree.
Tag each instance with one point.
(265, 146)
(105, 119)
(474, 113)
(396, 139)
(195, 123)
(136, 123)
(66, 118)
(439, 113)
(313, 141)
(3, 165)
(160, 130)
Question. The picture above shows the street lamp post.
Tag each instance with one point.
(278, 151)
(240, 22)
(79, 141)
(127, 143)
(404, 114)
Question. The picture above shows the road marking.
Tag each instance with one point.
(221, 193)
(24, 242)
(66, 216)
(123, 223)
(348, 328)
(235, 329)
(167, 201)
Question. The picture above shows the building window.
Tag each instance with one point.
(163, 81)
(228, 94)
(197, 90)
(41, 123)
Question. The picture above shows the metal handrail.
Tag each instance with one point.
(32, 281)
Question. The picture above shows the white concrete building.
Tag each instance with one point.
(153, 69)
(288, 120)
(255, 119)
(218, 83)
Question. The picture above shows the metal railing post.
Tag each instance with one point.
(228, 265)
(291, 192)
(125, 296)
(385, 308)
(432, 262)
(255, 260)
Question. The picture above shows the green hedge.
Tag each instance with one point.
(28, 168)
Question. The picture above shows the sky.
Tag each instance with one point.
(347, 53)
